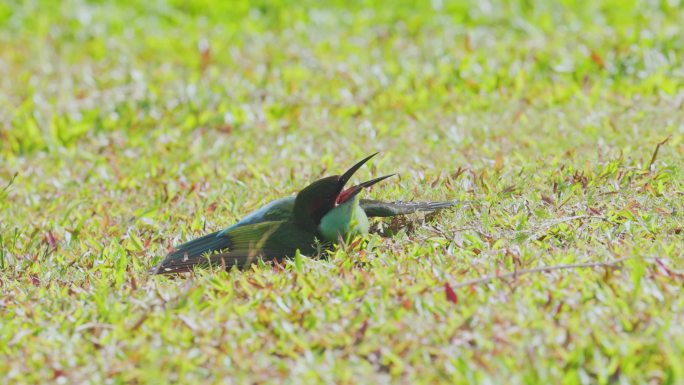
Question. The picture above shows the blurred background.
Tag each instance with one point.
(215, 74)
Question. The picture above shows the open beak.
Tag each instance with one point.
(353, 191)
(349, 173)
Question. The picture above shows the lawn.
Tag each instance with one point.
(127, 128)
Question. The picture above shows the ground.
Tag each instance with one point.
(129, 127)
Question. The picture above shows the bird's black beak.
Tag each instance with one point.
(349, 173)
(353, 191)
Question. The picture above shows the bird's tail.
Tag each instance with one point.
(388, 209)
(190, 252)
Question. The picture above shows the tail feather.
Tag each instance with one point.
(192, 250)
(224, 260)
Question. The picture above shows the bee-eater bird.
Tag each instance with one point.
(319, 215)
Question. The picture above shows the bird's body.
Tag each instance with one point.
(318, 216)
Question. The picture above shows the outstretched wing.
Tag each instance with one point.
(387, 209)
(269, 241)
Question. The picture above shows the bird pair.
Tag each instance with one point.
(319, 215)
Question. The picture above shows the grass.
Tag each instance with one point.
(128, 128)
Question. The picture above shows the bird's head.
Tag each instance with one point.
(321, 196)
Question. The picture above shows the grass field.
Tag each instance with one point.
(129, 127)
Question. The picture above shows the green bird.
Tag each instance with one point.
(319, 215)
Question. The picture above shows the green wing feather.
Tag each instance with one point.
(277, 210)
(273, 240)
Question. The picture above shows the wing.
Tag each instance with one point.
(273, 240)
(277, 210)
(388, 209)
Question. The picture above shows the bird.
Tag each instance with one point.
(322, 213)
